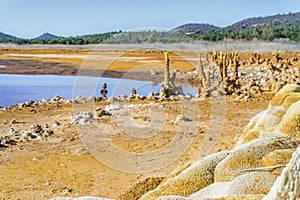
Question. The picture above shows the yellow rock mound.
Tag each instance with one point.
(282, 115)
(249, 156)
(199, 175)
(249, 171)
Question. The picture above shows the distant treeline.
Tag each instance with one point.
(78, 40)
(267, 32)
(110, 38)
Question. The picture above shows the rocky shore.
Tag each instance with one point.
(249, 170)
(42, 136)
(52, 140)
(268, 149)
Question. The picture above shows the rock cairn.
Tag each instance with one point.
(104, 90)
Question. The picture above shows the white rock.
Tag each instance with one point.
(112, 107)
(82, 118)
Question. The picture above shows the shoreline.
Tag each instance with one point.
(62, 149)
(193, 46)
(33, 67)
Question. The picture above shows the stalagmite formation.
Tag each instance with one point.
(235, 65)
(167, 71)
(168, 87)
(204, 79)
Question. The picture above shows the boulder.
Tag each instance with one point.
(287, 185)
(246, 184)
(249, 156)
(197, 176)
(290, 123)
(140, 188)
(273, 119)
(278, 157)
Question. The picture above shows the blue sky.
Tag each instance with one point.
(30, 18)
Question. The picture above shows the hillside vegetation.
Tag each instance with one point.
(6, 37)
(270, 28)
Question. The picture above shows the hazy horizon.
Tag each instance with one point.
(31, 18)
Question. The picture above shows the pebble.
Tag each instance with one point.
(13, 121)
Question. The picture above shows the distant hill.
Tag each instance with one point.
(4, 36)
(46, 36)
(274, 20)
(192, 27)
(281, 26)
(268, 28)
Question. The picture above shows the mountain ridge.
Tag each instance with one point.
(286, 26)
(47, 36)
(274, 20)
(4, 36)
(243, 24)
(192, 27)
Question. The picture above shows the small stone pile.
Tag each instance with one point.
(82, 118)
(135, 96)
(36, 132)
(99, 112)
